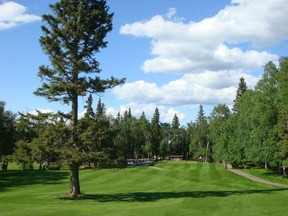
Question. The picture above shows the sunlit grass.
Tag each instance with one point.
(178, 188)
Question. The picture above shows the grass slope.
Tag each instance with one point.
(268, 175)
(178, 188)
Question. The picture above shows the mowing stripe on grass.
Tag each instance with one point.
(184, 188)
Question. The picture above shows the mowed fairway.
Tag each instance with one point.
(175, 188)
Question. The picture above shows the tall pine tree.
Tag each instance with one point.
(72, 35)
(200, 143)
(155, 132)
(89, 114)
(242, 88)
(175, 137)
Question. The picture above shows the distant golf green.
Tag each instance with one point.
(169, 188)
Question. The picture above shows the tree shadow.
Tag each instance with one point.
(11, 179)
(274, 174)
(155, 196)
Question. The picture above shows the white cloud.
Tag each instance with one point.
(156, 27)
(81, 114)
(35, 112)
(139, 88)
(188, 47)
(171, 13)
(257, 21)
(209, 87)
(13, 14)
(181, 57)
(111, 111)
(209, 54)
(169, 114)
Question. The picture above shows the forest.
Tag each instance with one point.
(253, 133)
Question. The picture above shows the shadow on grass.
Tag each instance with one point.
(274, 174)
(10, 179)
(155, 196)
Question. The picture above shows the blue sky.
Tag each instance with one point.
(175, 54)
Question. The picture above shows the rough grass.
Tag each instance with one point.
(178, 188)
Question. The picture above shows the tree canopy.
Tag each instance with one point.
(7, 134)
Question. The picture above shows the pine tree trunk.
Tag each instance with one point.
(74, 166)
(74, 180)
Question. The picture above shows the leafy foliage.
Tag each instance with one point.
(7, 134)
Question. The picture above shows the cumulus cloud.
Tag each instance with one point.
(187, 47)
(209, 54)
(209, 87)
(181, 57)
(13, 14)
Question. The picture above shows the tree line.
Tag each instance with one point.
(255, 132)
(252, 133)
(103, 140)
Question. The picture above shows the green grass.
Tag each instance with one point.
(267, 175)
(179, 188)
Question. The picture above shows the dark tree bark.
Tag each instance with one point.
(74, 180)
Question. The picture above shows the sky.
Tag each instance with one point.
(174, 54)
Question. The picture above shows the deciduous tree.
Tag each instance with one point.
(7, 134)
(282, 126)
(218, 133)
